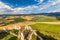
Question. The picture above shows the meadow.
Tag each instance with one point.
(49, 30)
(46, 31)
(41, 18)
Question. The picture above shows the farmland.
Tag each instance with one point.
(47, 27)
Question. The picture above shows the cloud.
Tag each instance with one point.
(55, 10)
(5, 9)
(2, 5)
(40, 1)
(48, 5)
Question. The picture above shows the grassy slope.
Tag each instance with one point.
(48, 29)
(37, 18)
(10, 37)
(44, 19)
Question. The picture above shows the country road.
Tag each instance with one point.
(11, 26)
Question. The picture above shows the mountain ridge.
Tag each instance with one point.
(46, 14)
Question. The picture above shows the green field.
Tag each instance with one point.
(46, 31)
(37, 18)
(40, 18)
(49, 30)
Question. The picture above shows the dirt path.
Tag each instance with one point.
(24, 24)
(49, 22)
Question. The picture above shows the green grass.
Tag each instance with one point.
(3, 34)
(16, 20)
(34, 37)
(48, 29)
(9, 37)
(44, 19)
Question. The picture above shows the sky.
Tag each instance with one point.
(29, 6)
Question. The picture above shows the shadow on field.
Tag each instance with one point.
(45, 37)
(3, 34)
(16, 20)
(13, 38)
(58, 17)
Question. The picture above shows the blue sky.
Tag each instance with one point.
(29, 6)
(19, 3)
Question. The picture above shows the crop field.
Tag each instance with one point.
(45, 19)
(51, 31)
(48, 31)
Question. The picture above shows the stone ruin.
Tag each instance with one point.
(25, 34)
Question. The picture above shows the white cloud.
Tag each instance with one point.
(49, 4)
(55, 10)
(29, 9)
(2, 5)
(40, 1)
(7, 9)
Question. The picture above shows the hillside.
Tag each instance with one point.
(47, 26)
(40, 18)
